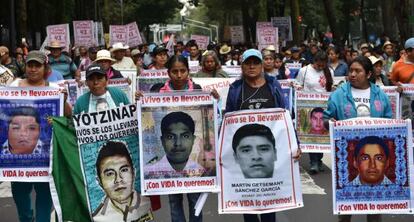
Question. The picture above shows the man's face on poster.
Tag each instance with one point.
(23, 134)
(371, 163)
(256, 156)
(117, 178)
(316, 120)
(177, 141)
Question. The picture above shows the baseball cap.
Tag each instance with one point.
(95, 69)
(294, 49)
(3, 50)
(37, 56)
(158, 50)
(251, 53)
(409, 43)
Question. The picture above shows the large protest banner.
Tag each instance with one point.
(287, 91)
(109, 156)
(284, 26)
(372, 159)
(236, 34)
(313, 136)
(149, 78)
(259, 26)
(407, 102)
(134, 37)
(394, 97)
(222, 86)
(26, 135)
(59, 33)
(201, 40)
(256, 171)
(267, 36)
(83, 32)
(118, 33)
(179, 134)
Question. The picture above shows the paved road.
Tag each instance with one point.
(317, 200)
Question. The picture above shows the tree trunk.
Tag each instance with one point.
(294, 8)
(22, 18)
(401, 12)
(364, 21)
(387, 8)
(246, 19)
(270, 5)
(282, 5)
(330, 14)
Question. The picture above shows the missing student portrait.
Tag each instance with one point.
(182, 145)
(255, 151)
(371, 166)
(25, 133)
(116, 176)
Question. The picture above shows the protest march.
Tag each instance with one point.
(262, 111)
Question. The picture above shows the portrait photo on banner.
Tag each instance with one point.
(256, 168)
(312, 133)
(25, 133)
(371, 164)
(178, 142)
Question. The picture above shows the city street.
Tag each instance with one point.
(317, 196)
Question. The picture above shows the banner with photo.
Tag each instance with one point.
(178, 145)
(407, 102)
(372, 161)
(109, 157)
(72, 88)
(312, 134)
(288, 93)
(394, 97)
(149, 78)
(256, 170)
(222, 86)
(83, 33)
(26, 136)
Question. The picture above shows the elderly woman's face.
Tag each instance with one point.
(23, 134)
(209, 63)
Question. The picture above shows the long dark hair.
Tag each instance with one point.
(176, 58)
(321, 56)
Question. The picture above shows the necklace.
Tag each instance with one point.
(251, 96)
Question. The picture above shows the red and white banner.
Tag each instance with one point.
(83, 32)
(118, 33)
(59, 33)
(202, 41)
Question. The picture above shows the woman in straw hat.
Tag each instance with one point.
(103, 58)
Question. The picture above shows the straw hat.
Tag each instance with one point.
(119, 46)
(54, 45)
(103, 55)
(387, 43)
(225, 49)
(374, 59)
(271, 48)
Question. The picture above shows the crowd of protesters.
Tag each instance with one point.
(312, 65)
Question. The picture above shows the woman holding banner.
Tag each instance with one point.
(37, 72)
(315, 77)
(179, 80)
(255, 90)
(358, 98)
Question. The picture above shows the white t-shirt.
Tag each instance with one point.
(361, 99)
(311, 79)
